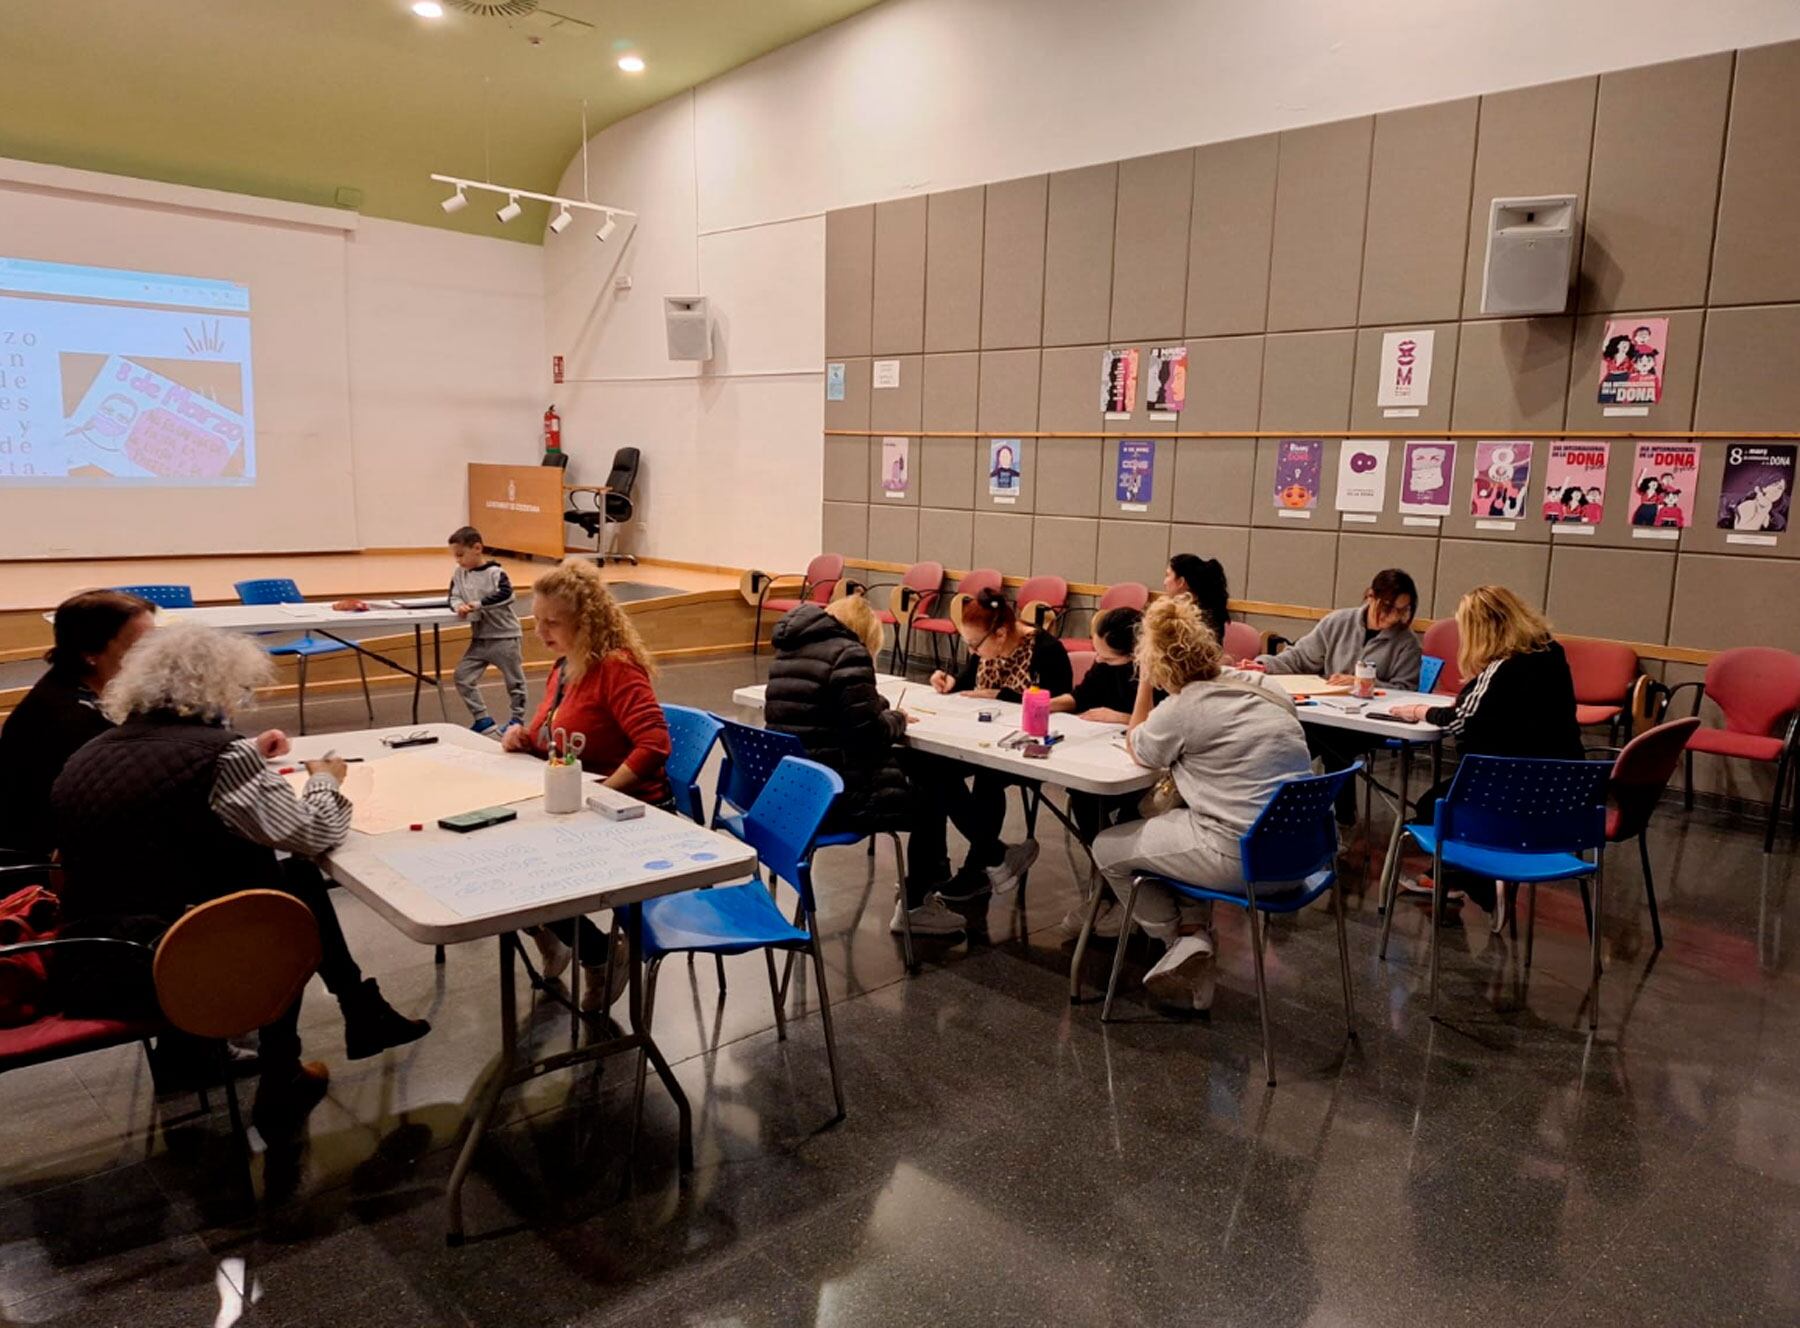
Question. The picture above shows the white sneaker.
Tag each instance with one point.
(1106, 925)
(1184, 975)
(1003, 877)
(1421, 886)
(553, 955)
(932, 918)
(596, 992)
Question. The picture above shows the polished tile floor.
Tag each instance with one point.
(1006, 1160)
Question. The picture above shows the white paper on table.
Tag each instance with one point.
(419, 787)
(1308, 684)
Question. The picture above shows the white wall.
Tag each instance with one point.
(920, 95)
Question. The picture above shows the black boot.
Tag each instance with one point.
(371, 1025)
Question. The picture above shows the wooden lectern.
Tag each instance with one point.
(518, 508)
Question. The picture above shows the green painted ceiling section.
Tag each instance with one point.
(296, 99)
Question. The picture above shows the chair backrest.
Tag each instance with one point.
(822, 575)
(1242, 641)
(622, 478)
(1051, 590)
(269, 590)
(1527, 804)
(234, 964)
(982, 578)
(785, 819)
(692, 734)
(1296, 831)
(1642, 771)
(559, 459)
(1443, 641)
(1756, 687)
(1125, 595)
(1603, 671)
(163, 596)
(1080, 661)
(1430, 666)
(751, 755)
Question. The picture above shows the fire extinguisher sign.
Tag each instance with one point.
(556, 368)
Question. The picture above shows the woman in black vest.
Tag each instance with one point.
(173, 808)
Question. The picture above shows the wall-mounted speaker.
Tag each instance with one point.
(690, 327)
(1530, 255)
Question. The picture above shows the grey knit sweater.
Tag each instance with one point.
(1341, 640)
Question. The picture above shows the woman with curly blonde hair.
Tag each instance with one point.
(599, 691)
(1228, 742)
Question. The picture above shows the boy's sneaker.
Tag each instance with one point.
(1106, 925)
(932, 918)
(1003, 877)
(483, 724)
(1184, 975)
(514, 723)
(1422, 886)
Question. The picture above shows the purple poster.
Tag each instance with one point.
(1298, 462)
(1136, 478)
(1425, 469)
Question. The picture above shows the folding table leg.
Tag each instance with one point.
(481, 1115)
(1390, 869)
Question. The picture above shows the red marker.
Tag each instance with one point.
(285, 770)
(415, 826)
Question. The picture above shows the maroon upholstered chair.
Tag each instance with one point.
(816, 586)
(1758, 690)
(1640, 774)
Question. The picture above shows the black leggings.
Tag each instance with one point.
(946, 796)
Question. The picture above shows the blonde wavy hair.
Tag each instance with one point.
(601, 625)
(854, 612)
(1493, 623)
(1175, 646)
(189, 670)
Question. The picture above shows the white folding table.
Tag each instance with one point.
(377, 870)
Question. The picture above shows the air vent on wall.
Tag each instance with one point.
(494, 8)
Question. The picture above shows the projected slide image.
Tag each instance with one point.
(108, 377)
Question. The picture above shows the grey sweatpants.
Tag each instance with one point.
(1168, 845)
(506, 653)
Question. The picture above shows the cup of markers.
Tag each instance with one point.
(562, 774)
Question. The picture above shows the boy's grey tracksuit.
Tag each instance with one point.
(494, 637)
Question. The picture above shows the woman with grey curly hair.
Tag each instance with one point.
(174, 807)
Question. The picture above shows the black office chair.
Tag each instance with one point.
(620, 483)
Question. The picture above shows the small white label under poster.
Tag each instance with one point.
(1118, 414)
(1625, 410)
(1496, 525)
(891, 496)
(1163, 415)
(1289, 514)
(1656, 533)
(887, 373)
(1573, 530)
(1401, 413)
(1005, 502)
(1428, 522)
(1764, 541)
(1360, 518)
(1145, 507)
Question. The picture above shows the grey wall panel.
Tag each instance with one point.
(1465, 564)
(1418, 227)
(900, 409)
(1721, 602)
(846, 470)
(1229, 544)
(946, 469)
(1705, 536)
(849, 280)
(1747, 371)
(1003, 541)
(898, 322)
(846, 529)
(1321, 199)
(1618, 593)
(1150, 247)
(1529, 141)
(1068, 476)
(1512, 374)
(1435, 413)
(1132, 551)
(1162, 483)
(1464, 523)
(1291, 567)
(1359, 557)
(1229, 235)
(853, 411)
(1213, 480)
(1681, 372)
(893, 533)
(1064, 546)
(1069, 390)
(1224, 387)
(946, 536)
(1078, 250)
(1012, 264)
(1658, 136)
(1008, 396)
(953, 225)
(1754, 254)
(1306, 381)
(951, 392)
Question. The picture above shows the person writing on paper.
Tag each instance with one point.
(600, 689)
(1203, 581)
(174, 807)
(822, 690)
(93, 632)
(1519, 700)
(1228, 743)
(1377, 631)
(1004, 657)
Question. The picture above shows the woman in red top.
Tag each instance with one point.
(599, 689)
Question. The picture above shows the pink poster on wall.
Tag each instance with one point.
(1663, 476)
(1502, 476)
(1633, 357)
(1575, 484)
(1425, 470)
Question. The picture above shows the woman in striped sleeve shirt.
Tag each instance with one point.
(173, 808)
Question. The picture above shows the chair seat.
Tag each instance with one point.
(1271, 896)
(840, 839)
(783, 605)
(1596, 714)
(886, 617)
(1502, 864)
(1723, 742)
(311, 645)
(942, 626)
(732, 919)
(55, 1036)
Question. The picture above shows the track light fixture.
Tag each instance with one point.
(607, 228)
(511, 210)
(560, 222)
(566, 208)
(456, 202)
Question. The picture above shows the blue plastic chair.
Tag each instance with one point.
(1290, 850)
(692, 734)
(1517, 820)
(1429, 668)
(163, 596)
(782, 825)
(283, 590)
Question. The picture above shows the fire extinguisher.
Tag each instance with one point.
(552, 431)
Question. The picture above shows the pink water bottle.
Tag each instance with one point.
(1034, 717)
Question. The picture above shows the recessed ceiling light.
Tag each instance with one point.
(428, 9)
(632, 64)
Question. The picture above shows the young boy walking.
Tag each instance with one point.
(481, 592)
